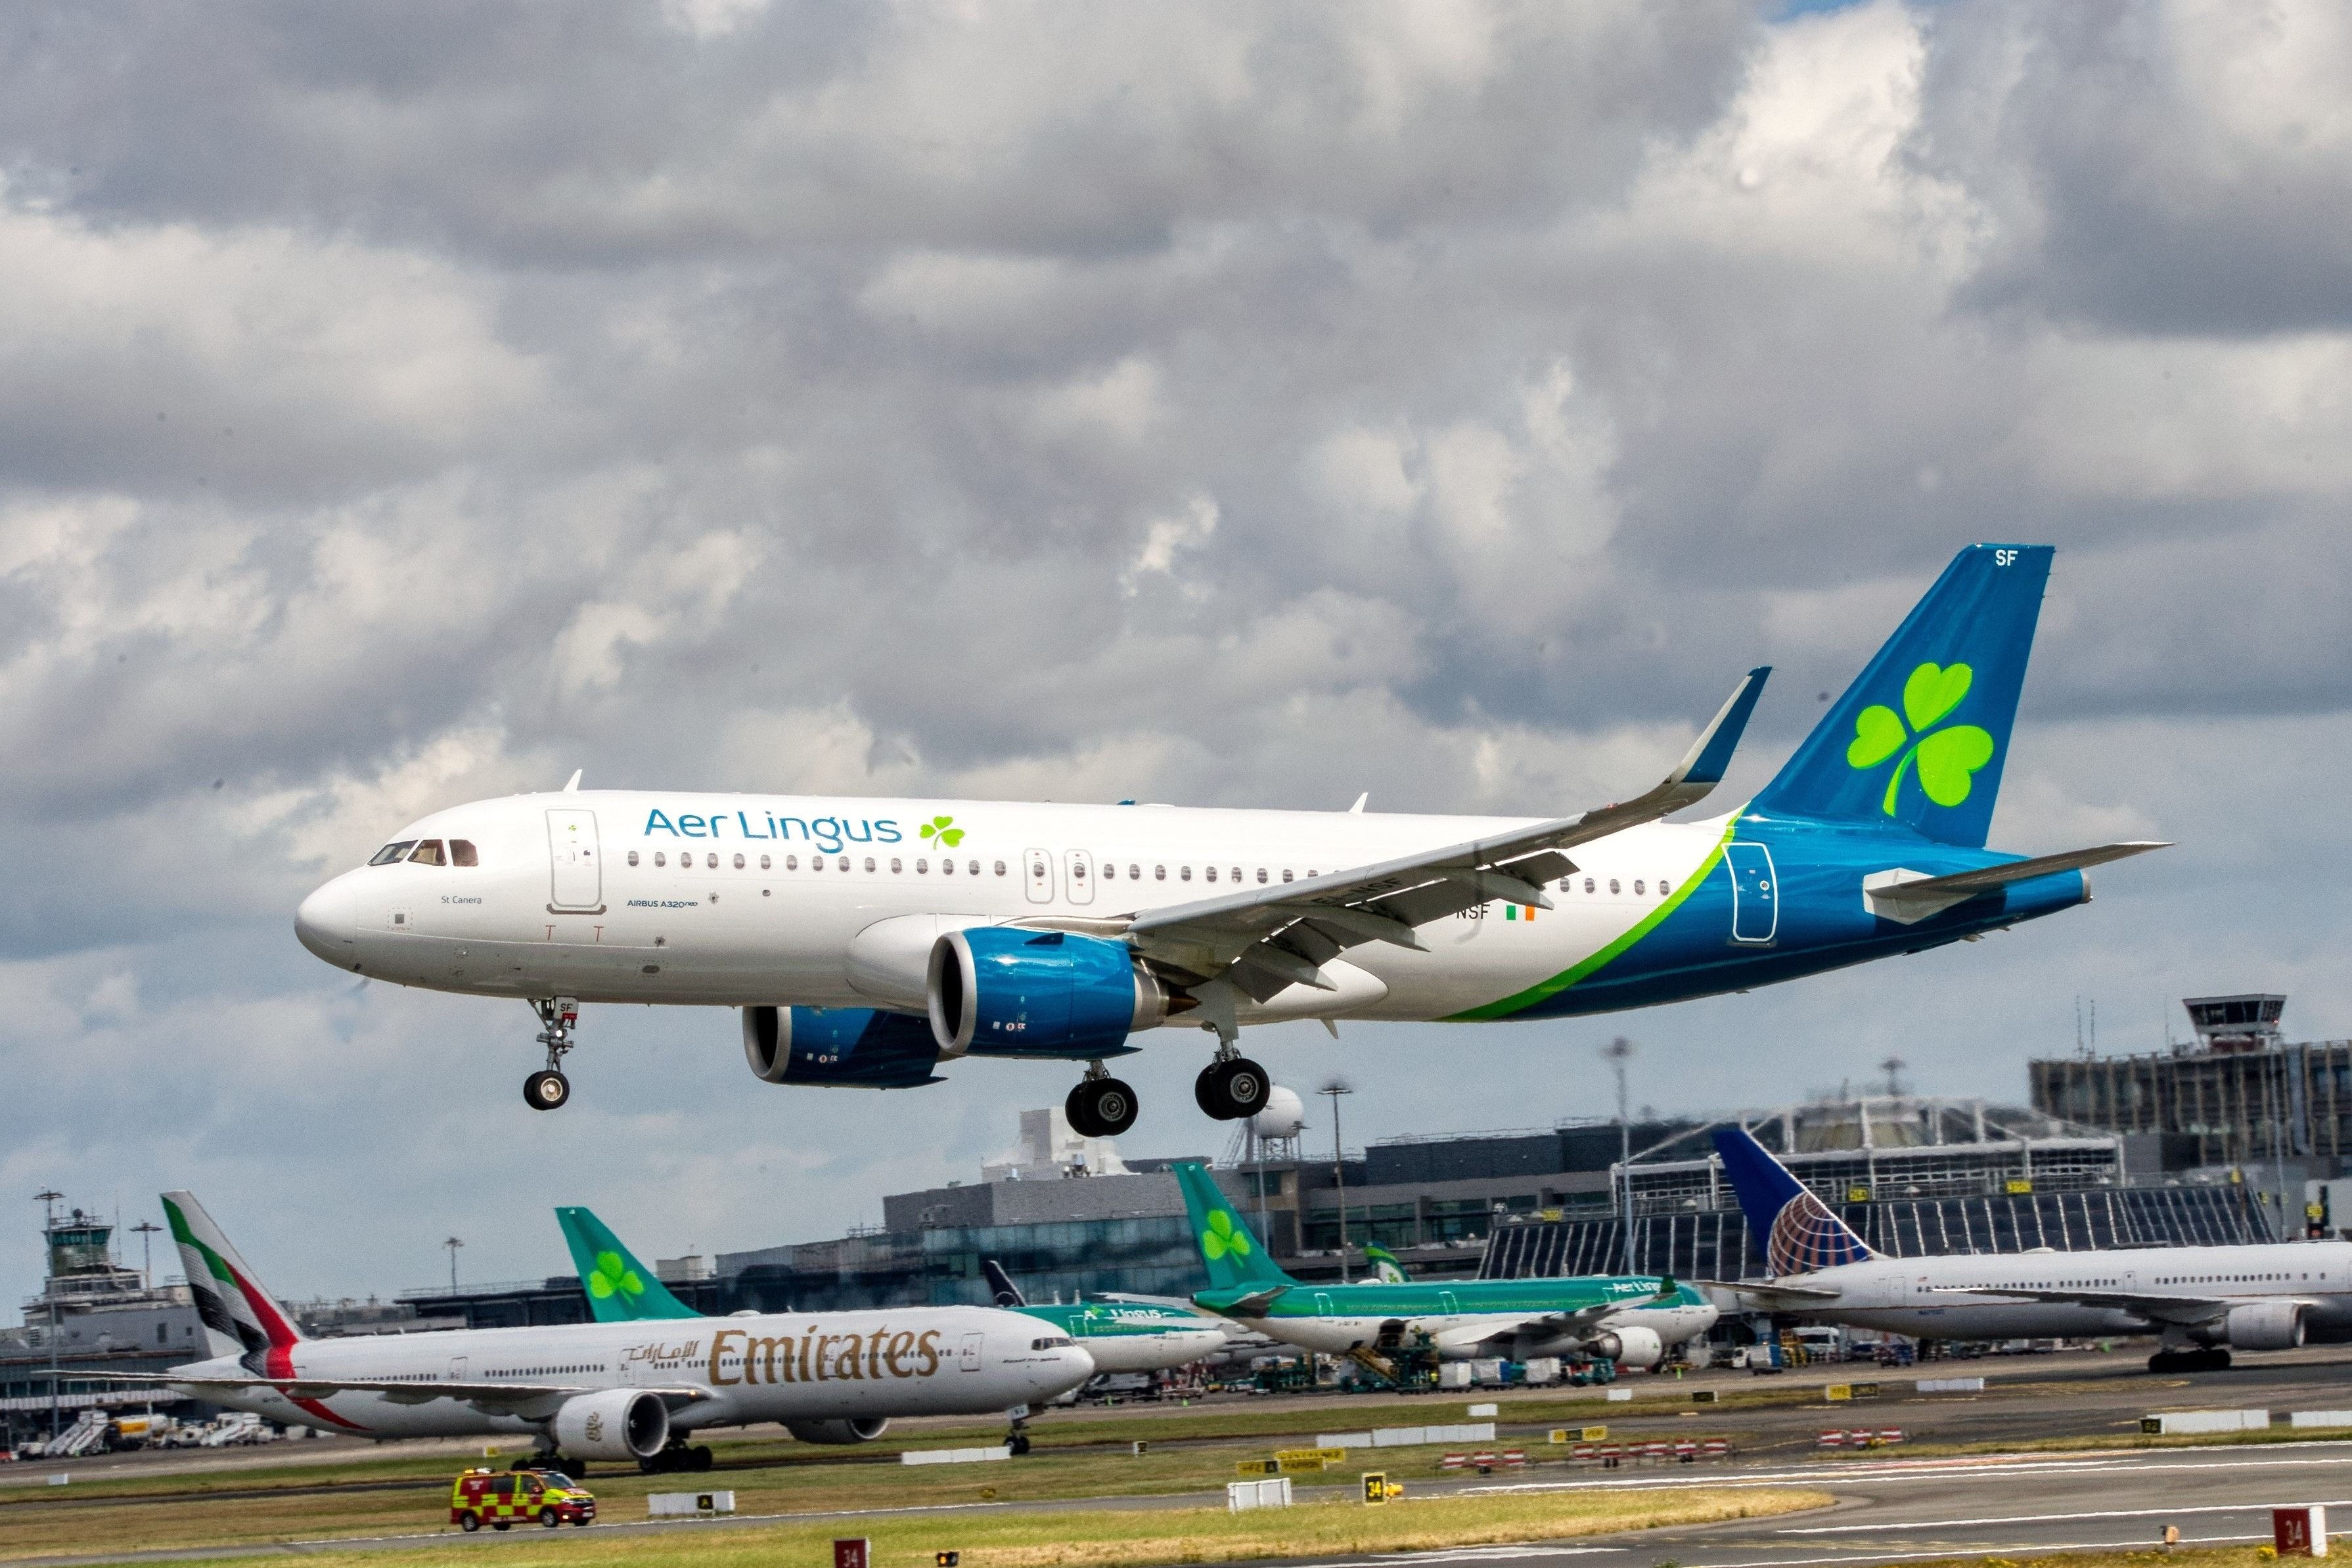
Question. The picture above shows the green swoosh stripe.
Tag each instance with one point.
(1575, 972)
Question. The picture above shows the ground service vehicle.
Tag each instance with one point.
(502, 1498)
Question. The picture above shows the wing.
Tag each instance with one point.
(1771, 1293)
(1260, 942)
(1908, 896)
(2187, 1311)
(482, 1396)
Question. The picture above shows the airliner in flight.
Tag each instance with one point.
(2200, 1301)
(628, 1391)
(868, 942)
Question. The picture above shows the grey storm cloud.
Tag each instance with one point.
(1219, 403)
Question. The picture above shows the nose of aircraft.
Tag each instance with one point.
(326, 923)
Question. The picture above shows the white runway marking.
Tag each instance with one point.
(2153, 1509)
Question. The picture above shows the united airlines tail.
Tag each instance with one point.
(1920, 737)
(1232, 1256)
(1795, 1230)
(619, 1289)
(239, 1317)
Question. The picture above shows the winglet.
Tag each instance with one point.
(1710, 755)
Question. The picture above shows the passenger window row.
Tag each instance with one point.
(1568, 885)
(427, 852)
(816, 862)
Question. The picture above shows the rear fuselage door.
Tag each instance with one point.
(1040, 866)
(1755, 892)
(1078, 876)
(970, 1359)
(578, 877)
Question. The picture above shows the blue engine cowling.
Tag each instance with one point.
(845, 1047)
(1001, 990)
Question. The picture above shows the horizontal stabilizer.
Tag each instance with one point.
(1908, 896)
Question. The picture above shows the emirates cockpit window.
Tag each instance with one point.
(391, 852)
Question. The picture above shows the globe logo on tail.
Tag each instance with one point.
(1806, 1237)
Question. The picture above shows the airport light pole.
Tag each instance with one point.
(48, 1202)
(1616, 1053)
(146, 1230)
(453, 1244)
(1336, 1088)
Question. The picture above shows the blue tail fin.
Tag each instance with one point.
(1920, 736)
(1796, 1230)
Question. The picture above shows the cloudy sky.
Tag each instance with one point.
(1222, 405)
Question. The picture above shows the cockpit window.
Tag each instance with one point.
(427, 853)
(461, 852)
(391, 852)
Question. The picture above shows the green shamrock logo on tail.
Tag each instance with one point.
(1222, 1238)
(1948, 758)
(944, 829)
(612, 1277)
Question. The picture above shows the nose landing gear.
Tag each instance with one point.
(548, 1089)
(1102, 1106)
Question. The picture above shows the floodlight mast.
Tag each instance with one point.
(1616, 1053)
(1335, 1088)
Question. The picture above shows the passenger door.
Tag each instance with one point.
(971, 1360)
(1078, 876)
(1041, 876)
(1755, 892)
(577, 879)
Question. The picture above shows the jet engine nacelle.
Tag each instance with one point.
(1004, 990)
(842, 1429)
(1631, 1345)
(618, 1424)
(852, 1048)
(2264, 1325)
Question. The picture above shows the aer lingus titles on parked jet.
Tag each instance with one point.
(869, 941)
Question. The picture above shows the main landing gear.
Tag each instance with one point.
(548, 1089)
(1233, 1087)
(1102, 1106)
(2190, 1359)
(676, 1456)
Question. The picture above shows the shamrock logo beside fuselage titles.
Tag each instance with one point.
(944, 829)
(1948, 758)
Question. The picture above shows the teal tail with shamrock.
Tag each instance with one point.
(1919, 738)
(1229, 1252)
(619, 1289)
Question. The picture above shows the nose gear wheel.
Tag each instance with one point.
(548, 1089)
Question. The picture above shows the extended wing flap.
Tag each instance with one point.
(1263, 941)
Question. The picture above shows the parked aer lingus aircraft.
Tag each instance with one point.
(1631, 1320)
(869, 941)
(2201, 1301)
(625, 1391)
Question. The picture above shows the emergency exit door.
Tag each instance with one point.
(1755, 892)
(577, 877)
(1041, 876)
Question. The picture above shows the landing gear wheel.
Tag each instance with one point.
(1231, 1089)
(1101, 1108)
(546, 1090)
(697, 1457)
(1018, 1444)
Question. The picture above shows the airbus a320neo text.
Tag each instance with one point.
(868, 942)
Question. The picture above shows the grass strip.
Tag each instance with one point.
(1087, 1539)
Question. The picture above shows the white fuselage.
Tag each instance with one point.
(1471, 1336)
(779, 1366)
(765, 900)
(1917, 1295)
